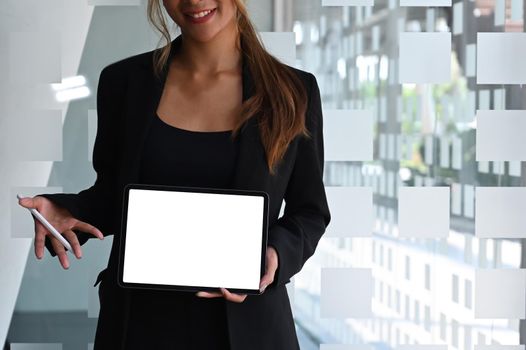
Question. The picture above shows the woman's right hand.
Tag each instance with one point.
(61, 219)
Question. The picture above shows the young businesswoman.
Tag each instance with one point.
(213, 109)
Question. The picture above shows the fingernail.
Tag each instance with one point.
(262, 288)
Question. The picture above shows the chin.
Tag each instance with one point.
(201, 37)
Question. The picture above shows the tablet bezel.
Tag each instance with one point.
(122, 242)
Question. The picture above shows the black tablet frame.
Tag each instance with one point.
(122, 242)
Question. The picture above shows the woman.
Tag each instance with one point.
(239, 119)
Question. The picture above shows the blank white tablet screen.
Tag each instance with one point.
(193, 239)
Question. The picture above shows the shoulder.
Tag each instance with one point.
(314, 114)
(306, 77)
(311, 87)
(121, 69)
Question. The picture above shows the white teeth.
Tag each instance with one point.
(201, 14)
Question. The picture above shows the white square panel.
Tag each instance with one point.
(36, 346)
(500, 135)
(499, 347)
(347, 2)
(499, 212)
(421, 347)
(348, 135)
(114, 2)
(43, 128)
(24, 68)
(280, 44)
(423, 212)
(500, 293)
(351, 211)
(419, 52)
(346, 347)
(340, 297)
(500, 58)
(425, 3)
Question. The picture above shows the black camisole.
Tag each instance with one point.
(173, 319)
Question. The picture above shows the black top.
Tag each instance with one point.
(174, 156)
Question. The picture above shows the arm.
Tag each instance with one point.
(95, 204)
(296, 234)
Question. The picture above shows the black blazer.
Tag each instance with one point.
(127, 98)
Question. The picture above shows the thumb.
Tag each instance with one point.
(27, 202)
(265, 281)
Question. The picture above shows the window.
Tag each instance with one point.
(407, 267)
(407, 314)
(423, 136)
(454, 333)
(389, 259)
(454, 288)
(417, 312)
(481, 339)
(397, 301)
(467, 337)
(468, 293)
(389, 304)
(381, 255)
(373, 251)
(427, 319)
(427, 276)
(442, 326)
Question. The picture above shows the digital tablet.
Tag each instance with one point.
(193, 238)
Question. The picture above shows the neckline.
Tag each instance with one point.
(192, 131)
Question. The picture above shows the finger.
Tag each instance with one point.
(268, 277)
(61, 252)
(40, 238)
(84, 226)
(74, 241)
(237, 298)
(203, 294)
(28, 202)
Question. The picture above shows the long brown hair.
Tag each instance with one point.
(279, 99)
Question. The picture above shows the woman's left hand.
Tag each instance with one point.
(270, 269)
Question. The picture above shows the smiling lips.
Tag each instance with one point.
(201, 16)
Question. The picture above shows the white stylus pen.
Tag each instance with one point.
(51, 229)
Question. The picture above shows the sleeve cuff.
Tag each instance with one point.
(275, 240)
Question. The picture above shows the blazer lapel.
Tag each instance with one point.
(144, 95)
